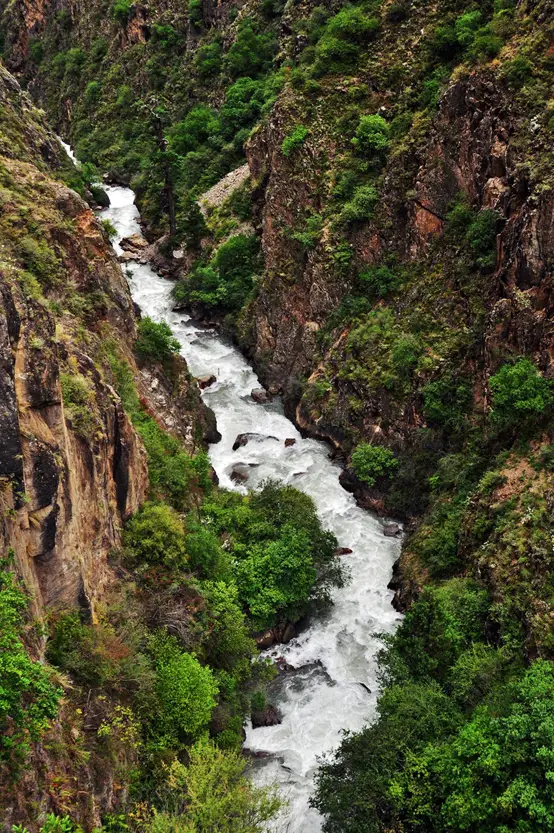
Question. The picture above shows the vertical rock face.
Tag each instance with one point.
(72, 467)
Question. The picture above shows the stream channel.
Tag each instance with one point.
(333, 686)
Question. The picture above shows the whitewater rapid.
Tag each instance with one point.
(335, 686)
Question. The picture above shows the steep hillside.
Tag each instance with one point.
(73, 466)
(388, 267)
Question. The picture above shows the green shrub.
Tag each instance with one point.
(294, 140)
(371, 137)
(39, 259)
(252, 52)
(121, 10)
(478, 230)
(284, 561)
(436, 542)
(186, 690)
(405, 354)
(199, 125)
(155, 535)
(379, 281)
(78, 397)
(213, 794)
(75, 60)
(447, 401)
(352, 24)
(155, 341)
(520, 395)
(206, 554)
(109, 229)
(361, 206)
(28, 698)
(196, 16)
(208, 59)
(372, 461)
(228, 281)
(228, 642)
(518, 71)
(481, 237)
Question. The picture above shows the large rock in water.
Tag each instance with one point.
(134, 242)
(240, 473)
(270, 716)
(206, 381)
(261, 396)
(243, 439)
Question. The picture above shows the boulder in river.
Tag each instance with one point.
(261, 396)
(392, 530)
(270, 716)
(343, 551)
(265, 639)
(239, 473)
(133, 242)
(206, 381)
(290, 441)
(243, 439)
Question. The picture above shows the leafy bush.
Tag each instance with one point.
(352, 24)
(155, 341)
(229, 642)
(77, 395)
(198, 126)
(436, 542)
(478, 230)
(372, 461)
(447, 401)
(294, 140)
(109, 228)
(283, 561)
(341, 39)
(371, 137)
(252, 52)
(518, 71)
(520, 395)
(155, 535)
(28, 699)
(186, 690)
(213, 794)
(228, 280)
(39, 259)
(208, 59)
(379, 281)
(361, 206)
(120, 10)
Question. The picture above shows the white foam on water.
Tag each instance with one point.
(335, 685)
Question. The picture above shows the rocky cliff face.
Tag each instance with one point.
(72, 466)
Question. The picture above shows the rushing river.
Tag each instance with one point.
(334, 687)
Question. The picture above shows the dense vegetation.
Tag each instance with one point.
(429, 364)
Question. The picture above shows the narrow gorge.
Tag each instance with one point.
(276, 448)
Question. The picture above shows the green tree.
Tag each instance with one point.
(520, 395)
(155, 340)
(371, 137)
(186, 690)
(155, 535)
(211, 793)
(372, 461)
